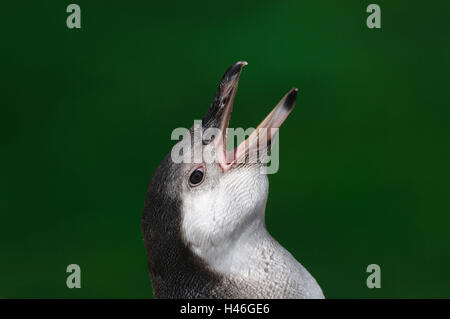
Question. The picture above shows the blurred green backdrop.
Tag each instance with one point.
(86, 117)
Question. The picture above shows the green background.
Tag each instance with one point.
(86, 116)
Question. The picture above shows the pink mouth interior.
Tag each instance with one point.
(269, 127)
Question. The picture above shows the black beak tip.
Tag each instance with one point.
(234, 70)
(291, 97)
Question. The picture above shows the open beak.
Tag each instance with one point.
(218, 116)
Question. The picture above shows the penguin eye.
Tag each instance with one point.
(196, 176)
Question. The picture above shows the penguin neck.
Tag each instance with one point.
(175, 271)
(246, 252)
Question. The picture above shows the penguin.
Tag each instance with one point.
(203, 223)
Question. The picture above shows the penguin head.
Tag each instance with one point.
(214, 194)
